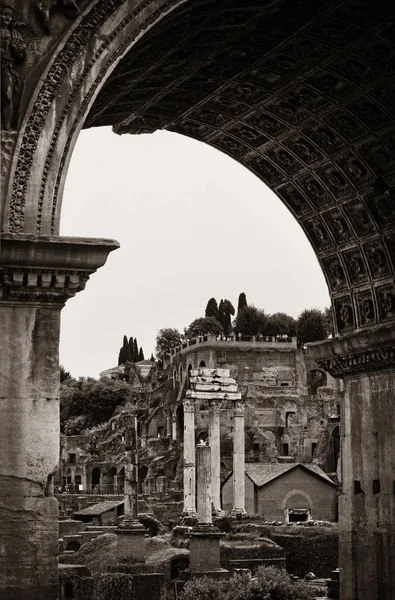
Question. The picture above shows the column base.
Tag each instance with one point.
(189, 513)
(238, 513)
(204, 549)
(130, 543)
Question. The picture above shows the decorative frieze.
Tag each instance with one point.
(357, 353)
(48, 270)
(39, 285)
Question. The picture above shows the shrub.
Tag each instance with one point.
(269, 584)
(114, 585)
(315, 550)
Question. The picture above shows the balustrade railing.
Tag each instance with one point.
(261, 340)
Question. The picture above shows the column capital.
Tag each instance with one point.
(48, 269)
(239, 407)
(215, 404)
(189, 405)
(366, 351)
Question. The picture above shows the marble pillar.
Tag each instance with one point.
(205, 555)
(131, 533)
(189, 458)
(37, 277)
(238, 459)
(367, 487)
(203, 468)
(214, 441)
(173, 427)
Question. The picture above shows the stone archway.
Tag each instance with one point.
(300, 96)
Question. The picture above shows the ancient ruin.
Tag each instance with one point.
(302, 94)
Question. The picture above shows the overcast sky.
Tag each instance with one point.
(192, 224)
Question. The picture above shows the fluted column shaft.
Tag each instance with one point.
(238, 459)
(203, 466)
(189, 458)
(214, 441)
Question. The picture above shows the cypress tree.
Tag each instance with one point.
(120, 357)
(220, 315)
(126, 351)
(141, 354)
(242, 302)
(212, 308)
(131, 347)
(152, 359)
(135, 356)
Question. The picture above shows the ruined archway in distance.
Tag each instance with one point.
(304, 103)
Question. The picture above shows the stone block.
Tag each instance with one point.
(130, 542)
(75, 582)
(70, 526)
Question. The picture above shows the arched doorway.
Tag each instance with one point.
(108, 481)
(180, 422)
(142, 474)
(121, 481)
(95, 478)
(316, 379)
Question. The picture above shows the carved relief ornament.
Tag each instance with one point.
(36, 285)
(189, 405)
(239, 408)
(13, 53)
(380, 359)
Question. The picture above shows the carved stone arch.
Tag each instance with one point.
(79, 66)
(297, 492)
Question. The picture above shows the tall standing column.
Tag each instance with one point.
(189, 458)
(366, 362)
(173, 426)
(131, 471)
(238, 459)
(203, 466)
(131, 533)
(214, 441)
(37, 276)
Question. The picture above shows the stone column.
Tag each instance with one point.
(168, 426)
(238, 459)
(205, 557)
(189, 458)
(131, 533)
(367, 427)
(203, 467)
(214, 441)
(173, 426)
(37, 276)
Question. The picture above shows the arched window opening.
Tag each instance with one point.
(121, 481)
(68, 590)
(73, 546)
(289, 418)
(142, 474)
(313, 449)
(316, 379)
(202, 364)
(180, 423)
(96, 475)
